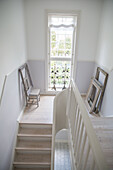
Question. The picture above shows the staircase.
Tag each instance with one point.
(33, 147)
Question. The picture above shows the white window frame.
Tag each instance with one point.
(75, 45)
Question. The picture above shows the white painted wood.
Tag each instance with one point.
(3, 89)
(81, 134)
(86, 156)
(73, 59)
(77, 137)
(79, 143)
(92, 164)
(53, 135)
(81, 154)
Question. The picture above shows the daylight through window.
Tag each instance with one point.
(61, 51)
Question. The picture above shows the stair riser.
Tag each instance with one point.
(32, 157)
(36, 131)
(34, 143)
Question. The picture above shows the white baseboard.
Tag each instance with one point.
(47, 94)
(21, 114)
(101, 115)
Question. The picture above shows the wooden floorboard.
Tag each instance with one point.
(104, 130)
(103, 127)
(42, 114)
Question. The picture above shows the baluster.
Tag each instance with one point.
(70, 105)
(77, 133)
(86, 156)
(82, 150)
(92, 163)
(76, 122)
(71, 109)
(68, 101)
(79, 141)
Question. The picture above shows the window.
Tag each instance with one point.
(62, 29)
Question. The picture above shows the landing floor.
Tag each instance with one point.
(41, 114)
(103, 127)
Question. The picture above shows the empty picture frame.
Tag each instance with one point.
(99, 81)
(93, 98)
(102, 77)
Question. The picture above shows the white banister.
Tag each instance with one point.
(87, 150)
(70, 112)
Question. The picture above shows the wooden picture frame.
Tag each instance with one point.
(100, 72)
(91, 102)
(97, 84)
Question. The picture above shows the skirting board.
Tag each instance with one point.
(101, 115)
(21, 114)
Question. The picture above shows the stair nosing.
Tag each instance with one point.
(31, 163)
(33, 149)
(30, 135)
(29, 123)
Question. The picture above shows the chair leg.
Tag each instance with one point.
(39, 97)
(37, 102)
(27, 102)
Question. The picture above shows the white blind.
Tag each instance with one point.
(61, 21)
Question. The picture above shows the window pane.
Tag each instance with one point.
(61, 42)
(59, 73)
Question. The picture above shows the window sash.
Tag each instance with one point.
(60, 58)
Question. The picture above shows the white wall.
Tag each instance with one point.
(37, 32)
(12, 55)
(104, 55)
(13, 102)
(12, 37)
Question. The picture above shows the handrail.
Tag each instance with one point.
(4, 83)
(1, 96)
(82, 134)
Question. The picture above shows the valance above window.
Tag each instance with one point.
(57, 21)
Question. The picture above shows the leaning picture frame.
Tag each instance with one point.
(91, 99)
